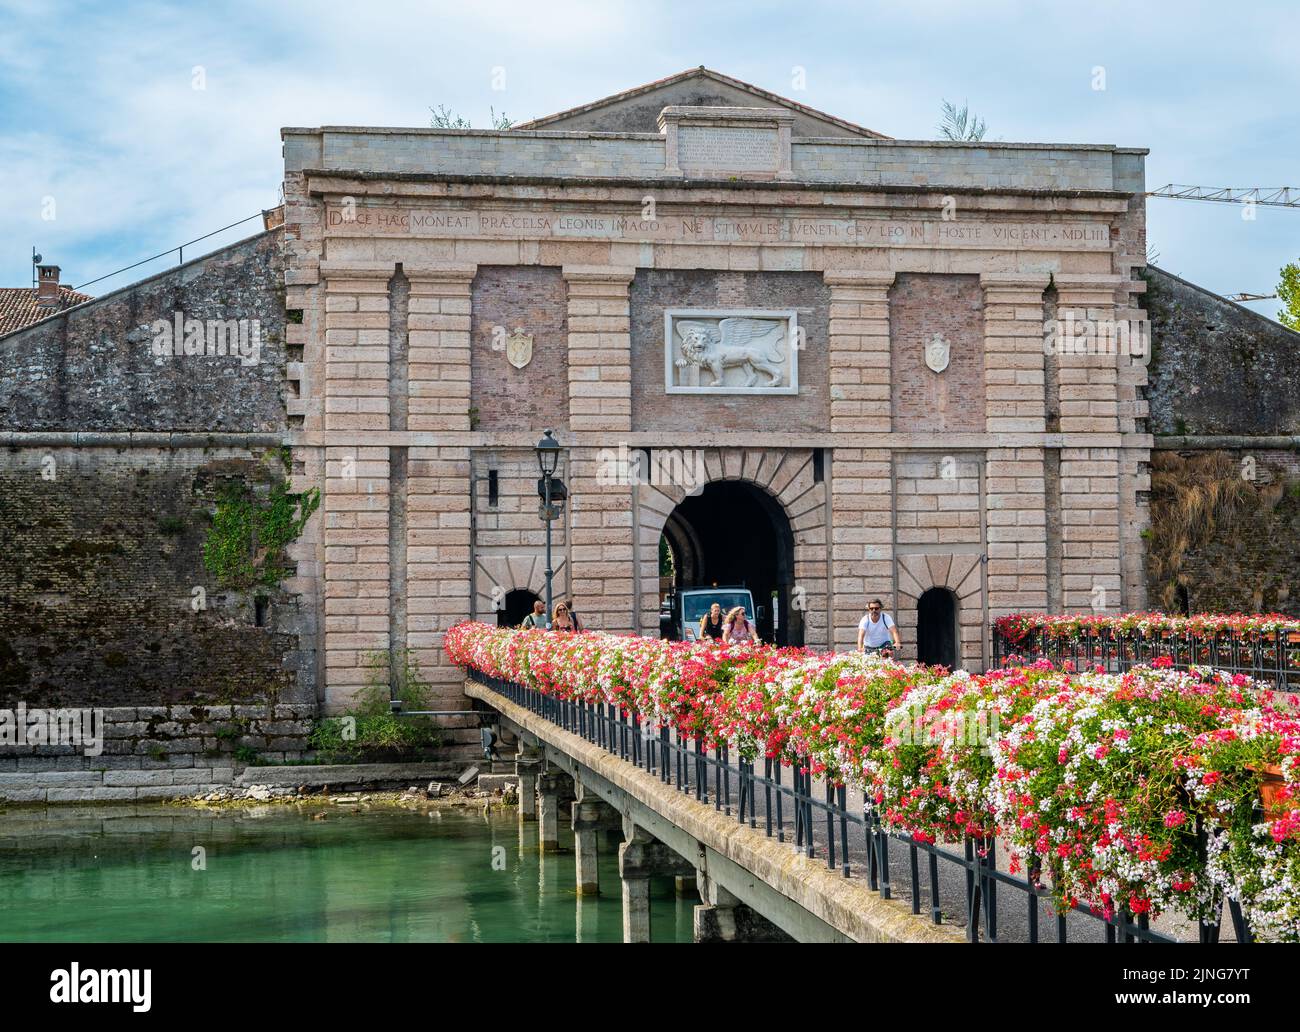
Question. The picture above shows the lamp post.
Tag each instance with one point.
(548, 458)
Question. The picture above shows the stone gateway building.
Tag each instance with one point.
(810, 357)
(777, 349)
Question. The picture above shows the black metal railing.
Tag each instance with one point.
(786, 804)
(1272, 658)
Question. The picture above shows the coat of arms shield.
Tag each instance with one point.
(936, 353)
(519, 349)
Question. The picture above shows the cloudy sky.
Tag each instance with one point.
(110, 151)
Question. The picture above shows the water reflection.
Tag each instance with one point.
(320, 874)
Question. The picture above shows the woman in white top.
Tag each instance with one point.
(737, 627)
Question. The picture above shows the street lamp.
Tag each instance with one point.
(548, 459)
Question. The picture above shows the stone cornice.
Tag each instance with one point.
(885, 442)
(794, 193)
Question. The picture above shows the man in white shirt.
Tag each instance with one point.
(876, 628)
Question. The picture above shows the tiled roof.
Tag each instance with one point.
(18, 306)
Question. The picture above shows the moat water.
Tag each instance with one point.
(320, 873)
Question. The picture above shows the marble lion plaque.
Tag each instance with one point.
(709, 351)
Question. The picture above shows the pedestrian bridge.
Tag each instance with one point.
(745, 845)
(774, 854)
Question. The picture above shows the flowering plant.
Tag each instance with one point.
(1022, 628)
(1253, 852)
(1104, 782)
(1093, 785)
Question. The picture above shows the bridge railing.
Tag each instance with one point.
(1271, 657)
(786, 804)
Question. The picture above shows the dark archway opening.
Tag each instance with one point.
(518, 604)
(936, 628)
(735, 533)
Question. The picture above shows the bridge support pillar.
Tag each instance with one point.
(528, 763)
(549, 785)
(591, 816)
(640, 858)
(724, 918)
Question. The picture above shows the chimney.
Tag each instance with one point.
(47, 286)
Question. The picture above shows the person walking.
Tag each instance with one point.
(877, 632)
(711, 623)
(560, 619)
(737, 627)
(536, 620)
(573, 615)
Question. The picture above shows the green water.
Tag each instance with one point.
(283, 874)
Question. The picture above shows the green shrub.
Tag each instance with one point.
(370, 730)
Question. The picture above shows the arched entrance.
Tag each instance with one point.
(518, 604)
(735, 533)
(936, 628)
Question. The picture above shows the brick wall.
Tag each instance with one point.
(530, 298)
(921, 305)
(654, 290)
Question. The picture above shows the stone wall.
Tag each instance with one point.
(655, 290)
(106, 600)
(1218, 368)
(116, 459)
(1239, 561)
(93, 368)
(156, 752)
(509, 538)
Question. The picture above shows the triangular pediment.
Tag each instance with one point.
(637, 110)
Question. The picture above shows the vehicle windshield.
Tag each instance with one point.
(696, 604)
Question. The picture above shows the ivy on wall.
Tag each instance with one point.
(246, 543)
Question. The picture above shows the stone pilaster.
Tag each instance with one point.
(859, 350)
(438, 488)
(601, 528)
(356, 345)
(438, 581)
(356, 494)
(439, 355)
(1015, 402)
(1090, 458)
(1013, 353)
(600, 348)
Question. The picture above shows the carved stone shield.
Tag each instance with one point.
(936, 353)
(519, 349)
